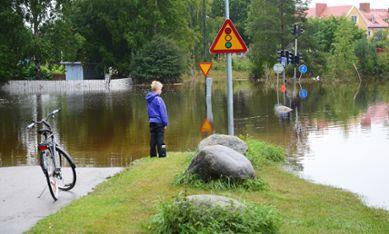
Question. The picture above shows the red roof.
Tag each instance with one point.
(375, 18)
(330, 11)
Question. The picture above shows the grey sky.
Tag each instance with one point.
(373, 3)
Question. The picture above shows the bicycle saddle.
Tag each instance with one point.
(44, 131)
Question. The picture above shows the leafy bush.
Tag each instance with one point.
(180, 216)
(342, 57)
(383, 63)
(367, 57)
(192, 180)
(161, 59)
(261, 152)
(30, 70)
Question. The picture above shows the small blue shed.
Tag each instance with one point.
(74, 70)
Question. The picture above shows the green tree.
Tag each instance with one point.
(14, 38)
(342, 56)
(114, 31)
(238, 13)
(269, 28)
(381, 39)
(367, 57)
(161, 59)
(37, 15)
(318, 40)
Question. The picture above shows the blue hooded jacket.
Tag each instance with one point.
(156, 109)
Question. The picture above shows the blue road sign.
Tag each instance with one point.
(303, 69)
(303, 93)
(284, 61)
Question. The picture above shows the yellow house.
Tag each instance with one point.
(370, 20)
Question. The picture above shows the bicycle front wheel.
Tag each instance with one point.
(67, 175)
(48, 167)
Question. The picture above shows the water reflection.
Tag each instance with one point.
(342, 141)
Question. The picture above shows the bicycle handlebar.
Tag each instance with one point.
(30, 126)
(44, 121)
(55, 111)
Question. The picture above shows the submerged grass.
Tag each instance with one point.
(181, 216)
(126, 202)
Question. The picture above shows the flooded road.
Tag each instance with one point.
(344, 142)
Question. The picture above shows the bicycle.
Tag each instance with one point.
(57, 165)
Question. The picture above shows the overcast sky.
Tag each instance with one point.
(373, 3)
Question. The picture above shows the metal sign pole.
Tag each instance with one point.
(230, 97)
(278, 97)
(208, 99)
(295, 68)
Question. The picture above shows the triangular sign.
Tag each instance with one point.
(206, 127)
(205, 68)
(228, 40)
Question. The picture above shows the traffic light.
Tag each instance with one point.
(281, 54)
(297, 59)
(297, 30)
(290, 57)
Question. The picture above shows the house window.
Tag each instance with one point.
(369, 33)
(354, 18)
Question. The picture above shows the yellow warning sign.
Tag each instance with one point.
(228, 40)
(206, 127)
(205, 68)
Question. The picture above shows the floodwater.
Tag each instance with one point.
(344, 141)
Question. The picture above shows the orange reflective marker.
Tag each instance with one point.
(228, 40)
(205, 68)
(206, 127)
(283, 88)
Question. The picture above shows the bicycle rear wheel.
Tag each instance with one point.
(67, 176)
(48, 167)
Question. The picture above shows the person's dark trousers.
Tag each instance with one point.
(157, 132)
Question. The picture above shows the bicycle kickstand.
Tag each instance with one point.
(40, 195)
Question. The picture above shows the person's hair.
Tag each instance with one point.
(156, 85)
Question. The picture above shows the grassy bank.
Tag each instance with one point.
(126, 202)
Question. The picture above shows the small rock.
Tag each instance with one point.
(232, 142)
(210, 201)
(217, 161)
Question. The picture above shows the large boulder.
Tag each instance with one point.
(211, 201)
(232, 142)
(217, 161)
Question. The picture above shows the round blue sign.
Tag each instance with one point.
(303, 93)
(303, 69)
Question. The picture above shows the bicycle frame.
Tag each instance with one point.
(51, 157)
(49, 139)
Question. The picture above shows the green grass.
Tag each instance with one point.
(190, 180)
(181, 216)
(260, 153)
(127, 202)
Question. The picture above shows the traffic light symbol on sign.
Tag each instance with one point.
(228, 40)
(228, 37)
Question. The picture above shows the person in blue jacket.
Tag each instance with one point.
(158, 119)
